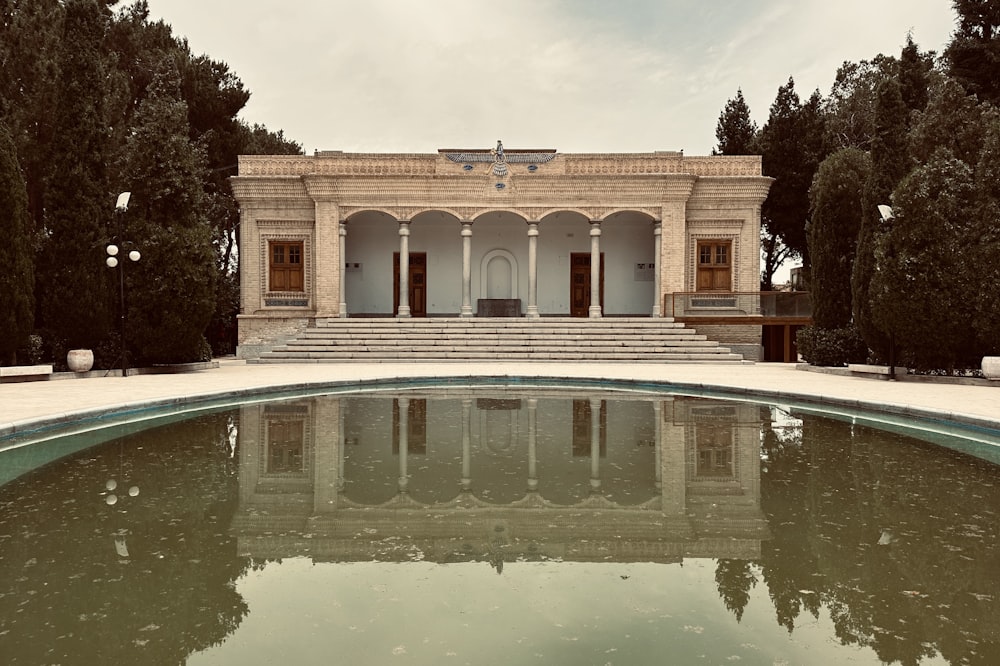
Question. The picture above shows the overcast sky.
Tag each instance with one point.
(574, 75)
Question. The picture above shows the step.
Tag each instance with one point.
(499, 339)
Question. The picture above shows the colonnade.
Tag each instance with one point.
(532, 481)
(531, 311)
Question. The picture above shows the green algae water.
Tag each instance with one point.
(503, 526)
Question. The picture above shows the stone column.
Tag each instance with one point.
(342, 438)
(672, 250)
(251, 294)
(595, 269)
(467, 444)
(343, 269)
(673, 464)
(327, 259)
(657, 243)
(595, 444)
(404, 269)
(404, 442)
(532, 311)
(658, 441)
(466, 268)
(532, 437)
(326, 451)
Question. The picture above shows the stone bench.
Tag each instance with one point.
(864, 369)
(24, 373)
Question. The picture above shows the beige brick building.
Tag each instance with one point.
(488, 232)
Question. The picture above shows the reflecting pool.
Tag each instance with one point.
(502, 526)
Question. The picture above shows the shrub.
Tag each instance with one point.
(834, 347)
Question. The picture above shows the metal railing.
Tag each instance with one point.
(778, 304)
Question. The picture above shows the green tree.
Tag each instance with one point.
(17, 270)
(734, 579)
(973, 55)
(914, 75)
(172, 289)
(792, 146)
(850, 108)
(73, 284)
(889, 164)
(835, 220)
(985, 271)
(736, 131)
(951, 119)
(30, 35)
(919, 290)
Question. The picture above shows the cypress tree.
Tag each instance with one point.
(74, 282)
(919, 291)
(889, 165)
(984, 272)
(171, 290)
(914, 75)
(17, 279)
(835, 220)
(973, 55)
(736, 132)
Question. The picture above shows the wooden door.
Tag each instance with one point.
(418, 283)
(715, 265)
(579, 284)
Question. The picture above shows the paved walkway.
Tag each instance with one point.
(33, 405)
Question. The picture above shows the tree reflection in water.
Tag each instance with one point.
(892, 538)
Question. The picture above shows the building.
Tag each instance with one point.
(541, 474)
(491, 232)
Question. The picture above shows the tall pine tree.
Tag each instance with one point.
(973, 55)
(171, 290)
(736, 131)
(74, 282)
(890, 163)
(792, 146)
(17, 268)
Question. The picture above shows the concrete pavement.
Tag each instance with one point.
(33, 406)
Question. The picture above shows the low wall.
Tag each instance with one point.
(258, 334)
(740, 339)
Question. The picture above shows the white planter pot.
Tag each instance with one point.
(80, 360)
(991, 367)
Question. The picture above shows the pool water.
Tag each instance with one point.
(503, 526)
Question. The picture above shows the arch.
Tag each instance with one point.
(556, 211)
(428, 212)
(348, 215)
(491, 211)
(629, 211)
(504, 271)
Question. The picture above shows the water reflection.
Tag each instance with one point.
(500, 478)
(803, 539)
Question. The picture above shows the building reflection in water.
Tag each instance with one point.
(447, 476)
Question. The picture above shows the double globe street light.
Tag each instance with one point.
(113, 262)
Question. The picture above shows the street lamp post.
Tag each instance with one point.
(112, 261)
(111, 499)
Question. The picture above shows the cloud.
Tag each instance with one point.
(634, 75)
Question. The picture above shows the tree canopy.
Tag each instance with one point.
(76, 84)
(919, 134)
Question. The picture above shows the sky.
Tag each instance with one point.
(415, 76)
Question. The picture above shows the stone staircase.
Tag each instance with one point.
(374, 340)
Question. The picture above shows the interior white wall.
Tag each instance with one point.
(372, 238)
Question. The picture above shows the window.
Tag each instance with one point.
(715, 269)
(286, 272)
